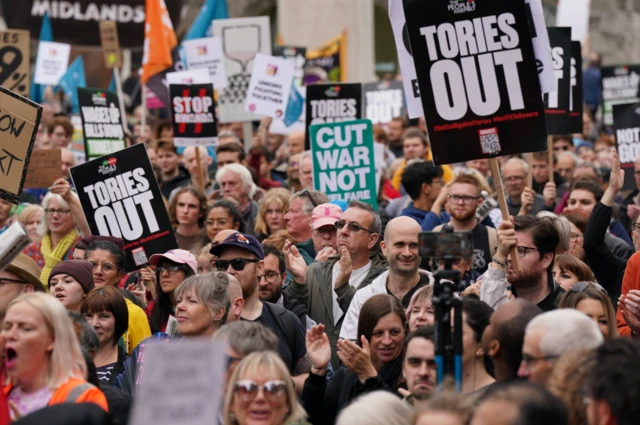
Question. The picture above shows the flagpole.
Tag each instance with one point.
(199, 169)
(143, 120)
(123, 116)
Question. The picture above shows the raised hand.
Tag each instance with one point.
(346, 267)
(318, 349)
(616, 179)
(526, 200)
(357, 359)
(506, 238)
(325, 253)
(549, 193)
(295, 263)
(63, 188)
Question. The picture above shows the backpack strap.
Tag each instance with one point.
(77, 391)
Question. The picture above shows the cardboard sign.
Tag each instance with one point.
(242, 39)
(14, 57)
(19, 121)
(51, 63)
(206, 53)
(344, 161)
(45, 167)
(186, 385)
(110, 44)
(619, 86)
(557, 103)
(270, 85)
(327, 103)
(120, 197)
(297, 56)
(575, 101)
(478, 79)
(383, 101)
(541, 46)
(194, 115)
(626, 124)
(101, 122)
(278, 126)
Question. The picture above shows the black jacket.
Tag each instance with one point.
(183, 179)
(296, 307)
(119, 403)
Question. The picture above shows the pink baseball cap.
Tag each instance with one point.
(325, 215)
(179, 256)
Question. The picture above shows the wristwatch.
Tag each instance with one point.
(498, 262)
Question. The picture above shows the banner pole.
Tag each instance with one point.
(530, 174)
(199, 169)
(502, 201)
(123, 115)
(247, 135)
(143, 103)
(550, 150)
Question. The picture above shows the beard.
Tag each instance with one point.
(525, 279)
(463, 216)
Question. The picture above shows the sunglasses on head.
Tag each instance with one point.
(582, 286)
(238, 264)
(248, 390)
(308, 194)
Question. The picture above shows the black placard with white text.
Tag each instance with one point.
(332, 103)
(557, 103)
(576, 102)
(626, 125)
(101, 122)
(120, 197)
(194, 115)
(383, 101)
(477, 74)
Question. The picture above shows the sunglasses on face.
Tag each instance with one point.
(169, 268)
(353, 227)
(248, 390)
(238, 264)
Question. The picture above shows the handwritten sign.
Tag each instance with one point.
(14, 61)
(19, 121)
(110, 44)
(45, 167)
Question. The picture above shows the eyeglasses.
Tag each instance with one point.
(270, 277)
(522, 250)
(106, 267)
(353, 227)
(465, 199)
(171, 269)
(248, 390)
(308, 194)
(4, 280)
(582, 286)
(238, 264)
(636, 226)
(528, 360)
(53, 211)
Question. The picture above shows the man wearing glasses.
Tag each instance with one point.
(19, 277)
(514, 176)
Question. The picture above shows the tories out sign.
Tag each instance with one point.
(120, 197)
(194, 109)
(101, 122)
(343, 161)
(327, 103)
(383, 101)
(558, 102)
(477, 75)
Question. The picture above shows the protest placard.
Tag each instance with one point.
(383, 101)
(101, 122)
(270, 85)
(619, 86)
(297, 56)
(45, 167)
(541, 46)
(186, 385)
(574, 14)
(626, 124)
(120, 197)
(190, 76)
(327, 63)
(576, 103)
(328, 103)
(206, 53)
(344, 160)
(296, 104)
(14, 57)
(51, 63)
(110, 44)
(194, 122)
(478, 79)
(242, 39)
(19, 121)
(557, 103)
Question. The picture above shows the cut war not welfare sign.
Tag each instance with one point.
(343, 161)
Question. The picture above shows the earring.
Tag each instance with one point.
(232, 418)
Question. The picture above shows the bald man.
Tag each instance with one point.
(236, 299)
(402, 280)
(296, 142)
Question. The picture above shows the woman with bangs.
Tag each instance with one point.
(202, 304)
(273, 208)
(568, 270)
(420, 311)
(591, 299)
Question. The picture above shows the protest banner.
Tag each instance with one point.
(14, 57)
(101, 122)
(541, 46)
(327, 63)
(189, 391)
(19, 121)
(242, 39)
(294, 107)
(626, 124)
(383, 101)
(206, 53)
(45, 167)
(344, 161)
(270, 85)
(478, 79)
(194, 122)
(574, 14)
(557, 103)
(576, 102)
(120, 197)
(110, 44)
(328, 103)
(619, 86)
(297, 56)
(77, 140)
(51, 63)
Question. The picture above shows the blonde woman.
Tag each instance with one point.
(31, 217)
(273, 208)
(43, 359)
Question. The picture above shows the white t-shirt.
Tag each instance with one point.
(356, 278)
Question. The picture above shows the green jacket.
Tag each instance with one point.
(315, 293)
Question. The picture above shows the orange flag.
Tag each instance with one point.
(159, 40)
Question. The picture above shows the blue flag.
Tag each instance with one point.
(294, 106)
(46, 34)
(112, 84)
(71, 80)
(211, 9)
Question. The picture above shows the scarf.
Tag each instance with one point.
(54, 256)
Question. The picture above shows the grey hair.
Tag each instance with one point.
(304, 155)
(231, 135)
(564, 230)
(376, 408)
(307, 206)
(576, 159)
(522, 162)
(242, 172)
(211, 289)
(565, 330)
(43, 228)
(591, 166)
(376, 222)
(247, 337)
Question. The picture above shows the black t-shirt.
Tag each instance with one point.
(481, 252)
(424, 281)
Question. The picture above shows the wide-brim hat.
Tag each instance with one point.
(27, 269)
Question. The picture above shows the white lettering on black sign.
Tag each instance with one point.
(333, 110)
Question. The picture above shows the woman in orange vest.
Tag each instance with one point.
(42, 357)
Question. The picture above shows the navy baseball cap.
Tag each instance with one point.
(239, 240)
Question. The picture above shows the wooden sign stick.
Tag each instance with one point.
(550, 150)
(199, 169)
(502, 201)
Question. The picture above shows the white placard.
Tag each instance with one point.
(270, 85)
(207, 53)
(574, 14)
(542, 48)
(190, 76)
(279, 127)
(52, 62)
